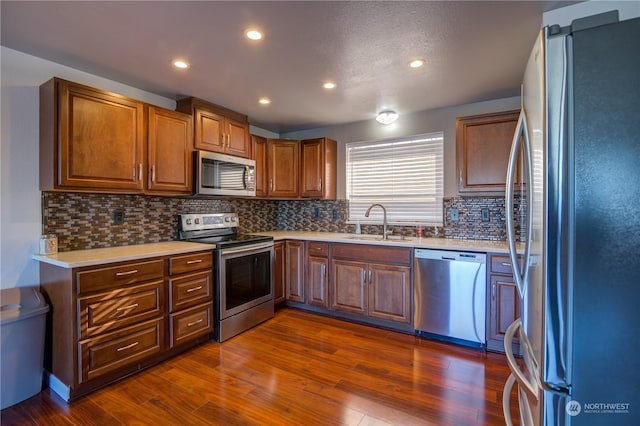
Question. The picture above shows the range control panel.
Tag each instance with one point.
(198, 221)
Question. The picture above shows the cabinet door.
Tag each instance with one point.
(170, 145)
(279, 272)
(318, 290)
(101, 140)
(237, 135)
(390, 292)
(348, 286)
(504, 306)
(283, 159)
(259, 155)
(318, 168)
(208, 131)
(483, 148)
(295, 271)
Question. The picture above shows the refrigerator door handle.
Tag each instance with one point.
(520, 275)
(506, 400)
(532, 388)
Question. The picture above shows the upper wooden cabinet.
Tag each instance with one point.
(216, 128)
(318, 168)
(96, 141)
(90, 139)
(170, 147)
(259, 155)
(283, 160)
(483, 148)
(292, 169)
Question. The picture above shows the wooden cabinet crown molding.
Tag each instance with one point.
(483, 144)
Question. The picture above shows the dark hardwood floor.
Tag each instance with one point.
(299, 369)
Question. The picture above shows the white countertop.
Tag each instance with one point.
(92, 257)
(412, 242)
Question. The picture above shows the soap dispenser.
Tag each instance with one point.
(358, 228)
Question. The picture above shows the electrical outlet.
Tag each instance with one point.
(336, 215)
(316, 212)
(453, 214)
(118, 217)
(485, 215)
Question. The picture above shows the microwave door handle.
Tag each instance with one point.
(244, 176)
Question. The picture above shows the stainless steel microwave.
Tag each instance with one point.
(220, 174)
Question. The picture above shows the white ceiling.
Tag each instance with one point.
(475, 51)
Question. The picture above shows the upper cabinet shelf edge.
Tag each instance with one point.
(217, 128)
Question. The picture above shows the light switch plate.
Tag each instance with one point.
(485, 215)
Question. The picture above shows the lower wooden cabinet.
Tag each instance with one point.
(317, 274)
(294, 272)
(374, 281)
(190, 297)
(503, 302)
(279, 265)
(109, 321)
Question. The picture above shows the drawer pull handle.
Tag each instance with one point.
(191, 262)
(506, 264)
(124, 348)
(122, 274)
(191, 324)
(194, 289)
(124, 308)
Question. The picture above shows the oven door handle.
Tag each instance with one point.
(243, 249)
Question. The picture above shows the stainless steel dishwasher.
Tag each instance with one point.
(450, 296)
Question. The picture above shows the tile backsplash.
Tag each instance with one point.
(83, 221)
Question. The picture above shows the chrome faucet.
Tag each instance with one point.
(384, 219)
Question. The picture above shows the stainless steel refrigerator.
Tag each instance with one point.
(579, 135)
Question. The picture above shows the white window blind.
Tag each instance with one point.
(404, 175)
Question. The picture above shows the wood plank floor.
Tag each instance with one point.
(296, 369)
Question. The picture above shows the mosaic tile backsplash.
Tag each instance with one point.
(83, 221)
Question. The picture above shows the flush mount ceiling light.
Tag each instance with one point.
(329, 85)
(387, 117)
(264, 101)
(179, 63)
(416, 63)
(253, 35)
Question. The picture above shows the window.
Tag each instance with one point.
(404, 175)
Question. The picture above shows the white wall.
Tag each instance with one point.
(20, 205)
(436, 120)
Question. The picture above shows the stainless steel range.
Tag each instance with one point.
(243, 270)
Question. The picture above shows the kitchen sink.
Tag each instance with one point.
(394, 238)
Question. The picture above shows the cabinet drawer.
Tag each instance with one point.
(502, 264)
(118, 276)
(109, 311)
(191, 323)
(107, 353)
(190, 262)
(369, 253)
(318, 249)
(190, 290)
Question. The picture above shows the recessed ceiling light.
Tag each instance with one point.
(254, 35)
(386, 117)
(416, 63)
(264, 101)
(179, 63)
(329, 85)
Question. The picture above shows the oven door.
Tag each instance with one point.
(245, 278)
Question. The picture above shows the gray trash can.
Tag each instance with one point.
(22, 326)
